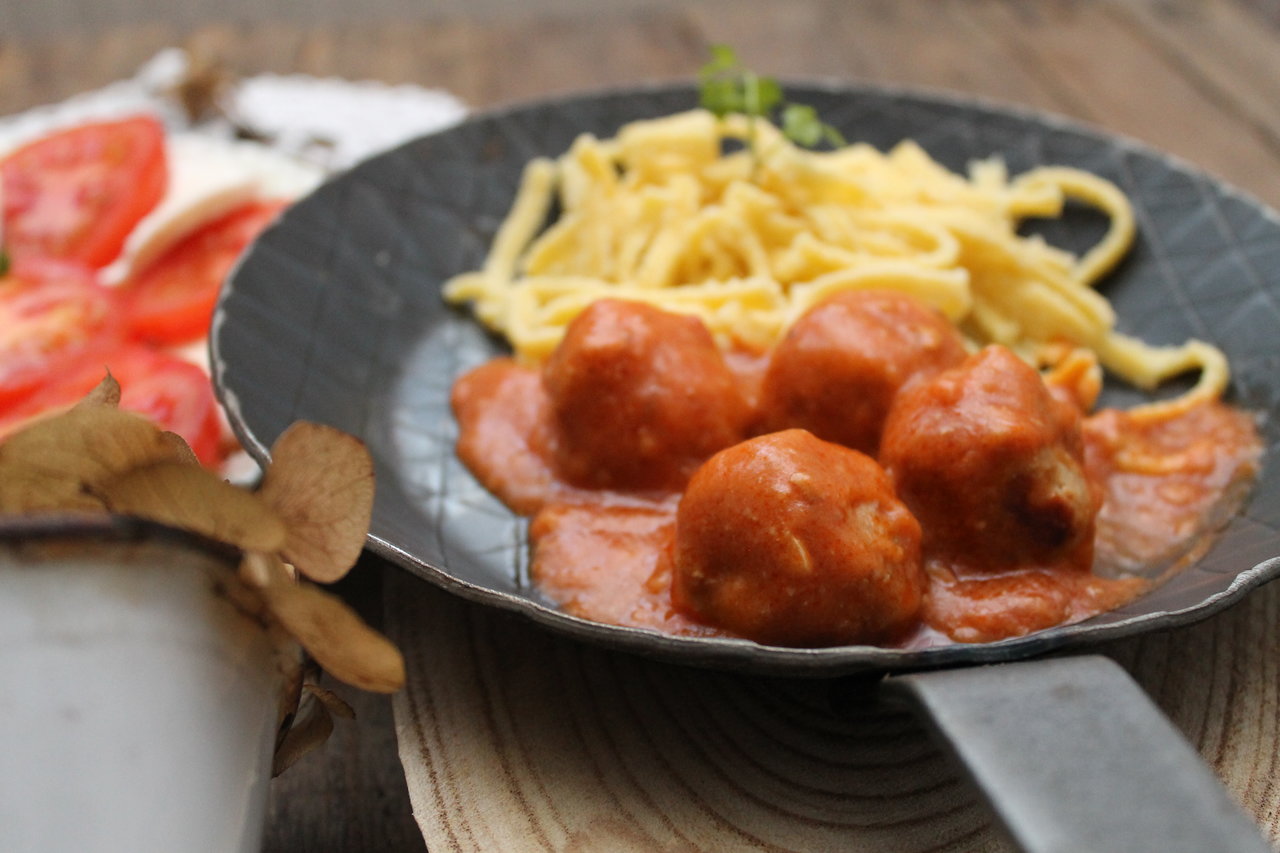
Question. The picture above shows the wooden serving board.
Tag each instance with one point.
(514, 739)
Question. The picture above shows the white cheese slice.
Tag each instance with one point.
(196, 352)
(207, 178)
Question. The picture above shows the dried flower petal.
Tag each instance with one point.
(295, 667)
(335, 703)
(57, 462)
(258, 569)
(105, 393)
(25, 489)
(336, 637)
(241, 592)
(320, 482)
(181, 450)
(311, 727)
(193, 498)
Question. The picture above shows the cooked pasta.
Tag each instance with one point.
(747, 240)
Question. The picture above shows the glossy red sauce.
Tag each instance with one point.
(610, 561)
(1100, 504)
(1167, 482)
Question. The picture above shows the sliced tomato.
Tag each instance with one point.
(45, 325)
(171, 392)
(35, 269)
(171, 300)
(75, 195)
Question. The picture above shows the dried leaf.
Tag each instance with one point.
(105, 393)
(258, 569)
(294, 667)
(193, 498)
(320, 482)
(57, 462)
(181, 450)
(335, 703)
(336, 637)
(311, 727)
(244, 595)
(26, 489)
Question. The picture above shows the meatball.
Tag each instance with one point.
(839, 367)
(639, 398)
(991, 463)
(790, 540)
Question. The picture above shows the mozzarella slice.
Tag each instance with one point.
(207, 178)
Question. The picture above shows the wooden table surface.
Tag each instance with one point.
(510, 722)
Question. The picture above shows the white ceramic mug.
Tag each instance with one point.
(138, 706)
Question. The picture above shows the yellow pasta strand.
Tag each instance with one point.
(748, 242)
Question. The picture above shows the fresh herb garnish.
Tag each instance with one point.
(728, 87)
(800, 124)
(4, 263)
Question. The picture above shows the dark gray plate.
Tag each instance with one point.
(335, 315)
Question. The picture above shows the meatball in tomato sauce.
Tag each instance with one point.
(991, 463)
(839, 367)
(639, 398)
(790, 540)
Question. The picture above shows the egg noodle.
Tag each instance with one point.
(749, 239)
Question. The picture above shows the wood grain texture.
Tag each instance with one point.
(523, 741)
(515, 740)
(350, 794)
(1104, 62)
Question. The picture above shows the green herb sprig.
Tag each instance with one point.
(728, 87)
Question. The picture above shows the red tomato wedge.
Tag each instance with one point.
(44, 326)
(171, 392)
(75, 195)
(171, 300)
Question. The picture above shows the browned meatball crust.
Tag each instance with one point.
(789, 540)
(991, 463)
(639, 398)
(838, 368)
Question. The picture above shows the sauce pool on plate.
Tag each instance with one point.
(829, 492)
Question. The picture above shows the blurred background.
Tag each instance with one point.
(1208, 70)
(27, 19)
(1197, 78)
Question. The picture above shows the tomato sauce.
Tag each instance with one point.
(1104, 505)
(1169, 482)
(610, 561)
